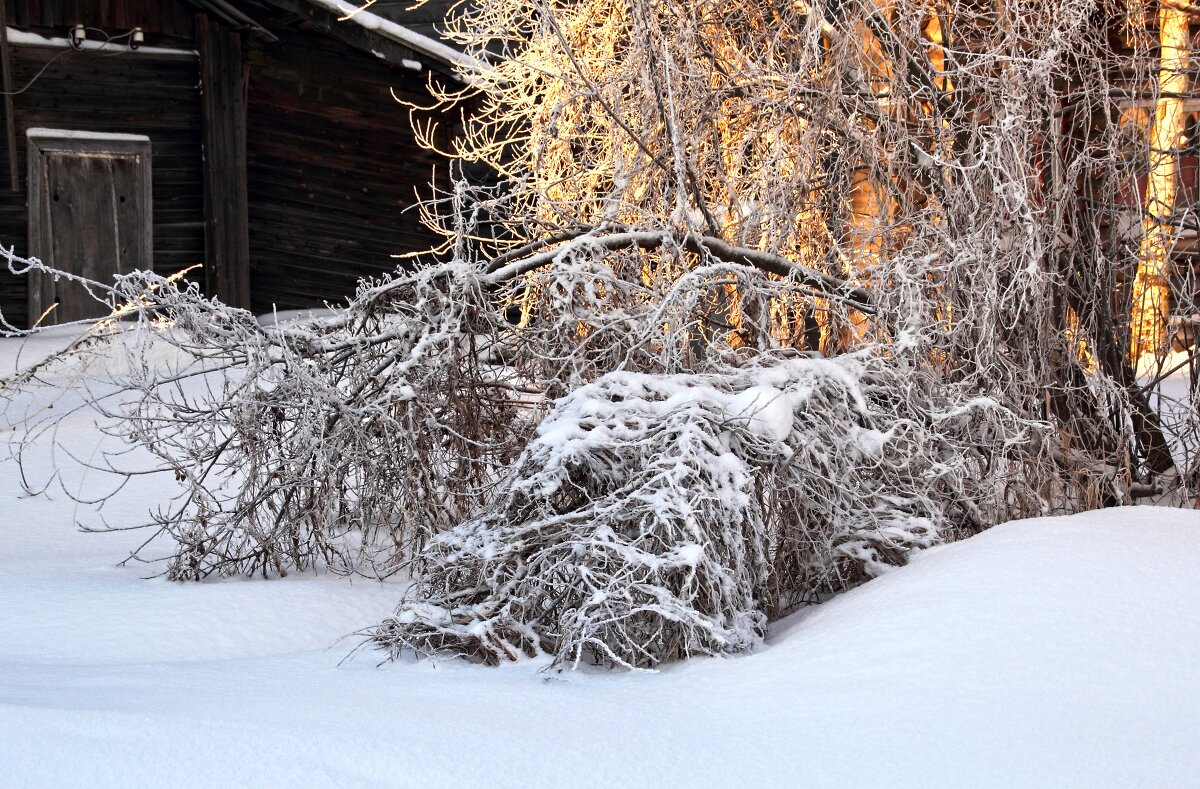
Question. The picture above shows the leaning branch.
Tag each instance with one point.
(824, 284)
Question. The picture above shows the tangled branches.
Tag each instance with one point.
(656, 517)
(968, 211)
(338, 441)
(1004, 180)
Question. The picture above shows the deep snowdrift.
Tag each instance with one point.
(1046, 652)
(1050, 652)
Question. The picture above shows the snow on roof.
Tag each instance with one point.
(400, 34)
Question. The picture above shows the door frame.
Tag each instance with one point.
(42, 142)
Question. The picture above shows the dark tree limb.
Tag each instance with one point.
(825, 285)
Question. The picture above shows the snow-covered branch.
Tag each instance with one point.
(504, 268)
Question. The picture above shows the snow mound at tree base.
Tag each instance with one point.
(1057, 652)
(656, 517)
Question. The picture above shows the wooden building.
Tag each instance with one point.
(258, 140)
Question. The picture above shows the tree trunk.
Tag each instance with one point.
(1151, 292)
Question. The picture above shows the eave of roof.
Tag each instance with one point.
(234, 17)
(347, 12)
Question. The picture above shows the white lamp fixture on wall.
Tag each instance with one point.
(78, 36)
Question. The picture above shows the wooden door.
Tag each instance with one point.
(89, 216)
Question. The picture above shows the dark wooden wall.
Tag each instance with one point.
(135, 93)
(331, 160)
(332, 166)
(162, 20)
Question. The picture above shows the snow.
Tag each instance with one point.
(26, 38)
(1047, 652)
(288, 316)
(1169, 383)
(768, 411)
(400, 34)
(70, 134)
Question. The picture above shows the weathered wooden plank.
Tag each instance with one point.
(10, 122)
(227, 259)
(332, 165)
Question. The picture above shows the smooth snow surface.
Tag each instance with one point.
(1053, 652)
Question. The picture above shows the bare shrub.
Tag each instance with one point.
(660, 516)
(339, 441)
(944, 202)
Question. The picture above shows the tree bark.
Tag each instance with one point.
(1151, 292)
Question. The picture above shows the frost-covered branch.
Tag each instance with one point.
(801, 286)
(504, 267)
(656, 517)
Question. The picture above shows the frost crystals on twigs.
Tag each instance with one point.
(660, 516)
(339, 441)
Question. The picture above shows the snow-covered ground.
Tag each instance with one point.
(1052, 652)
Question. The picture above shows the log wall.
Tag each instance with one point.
(163, 20)
(151, 94)
(330, 161)
(332, 166)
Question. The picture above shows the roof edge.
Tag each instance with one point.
(349, 12)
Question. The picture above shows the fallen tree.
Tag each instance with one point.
(655, 517)
(345, 441)
(920, 226)
(681, 493)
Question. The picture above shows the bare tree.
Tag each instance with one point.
(950, 226)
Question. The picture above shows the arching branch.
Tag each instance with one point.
(556, 248)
